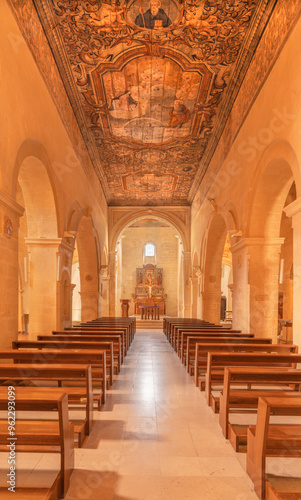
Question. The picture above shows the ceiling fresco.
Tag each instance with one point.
(151, 83)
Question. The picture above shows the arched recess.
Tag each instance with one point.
(181, 303)
(88, 268)
(38, 244)
(276, 173)
(217, 232)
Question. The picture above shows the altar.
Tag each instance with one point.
(149, 289)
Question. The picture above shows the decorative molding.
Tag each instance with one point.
(10, 204)
(203, 43)
(43, 242)
(248, 242)
(293, 208)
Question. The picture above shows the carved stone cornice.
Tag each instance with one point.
(10, 204)
(263, 242)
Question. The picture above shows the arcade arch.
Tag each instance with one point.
(38, 247)
(127, 255)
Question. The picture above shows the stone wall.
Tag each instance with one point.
(132, 245)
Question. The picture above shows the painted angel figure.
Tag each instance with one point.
(108, 15)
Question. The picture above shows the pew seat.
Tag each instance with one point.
(38, 435)
(276, 440)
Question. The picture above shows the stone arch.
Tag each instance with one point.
(39, 244)
(74, 217)
(128, 220)
(181, 302)
(274, 176)
(32, 156)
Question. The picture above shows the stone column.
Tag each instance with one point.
(212, 306)
(194, 296)
(187, 289)
(89, 300)
(112, 282)
(105, 296)
(294, 211)
(256, 283)
(44, 275)
(64, 290)
(10, 212)
(241, 287)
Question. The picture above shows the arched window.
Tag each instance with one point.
(149, 250)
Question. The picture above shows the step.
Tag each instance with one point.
(152, 324)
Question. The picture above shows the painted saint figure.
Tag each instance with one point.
(179, 114)
(154, 17)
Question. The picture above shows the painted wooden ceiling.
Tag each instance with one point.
(151, 84)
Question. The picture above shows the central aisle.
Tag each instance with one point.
(155, 438)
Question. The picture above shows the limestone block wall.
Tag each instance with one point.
(132, 244)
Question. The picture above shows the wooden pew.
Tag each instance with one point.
(183, 334)
(95, 331)
(114, 339)
(239, 348)
(68, 344)
(214, 335)
(267, 439)
(192, 351)
(58, 373)
(36, 436)
(218, 361)
(169, 323)
(27, 493)
(176, 336)
(129, 322)
(233, 400)
(94, 358)
(109, 327)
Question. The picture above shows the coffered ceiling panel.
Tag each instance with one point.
(151, 84)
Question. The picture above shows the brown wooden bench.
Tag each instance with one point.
(266, 381)
(235, 345)
(110, 328)
(97, 359)
(235, 348)
(191, 350)
(69, 344)
(24, 493)
(183, 334)
(170, 323)
(95, 331)
(129, 323)
(277, 440)
(218, 361)
(48, 374)
(176, 334)
(36, 436)
(114, 339)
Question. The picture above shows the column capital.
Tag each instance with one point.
(252, 242)
(293, 208)
(43, 242)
